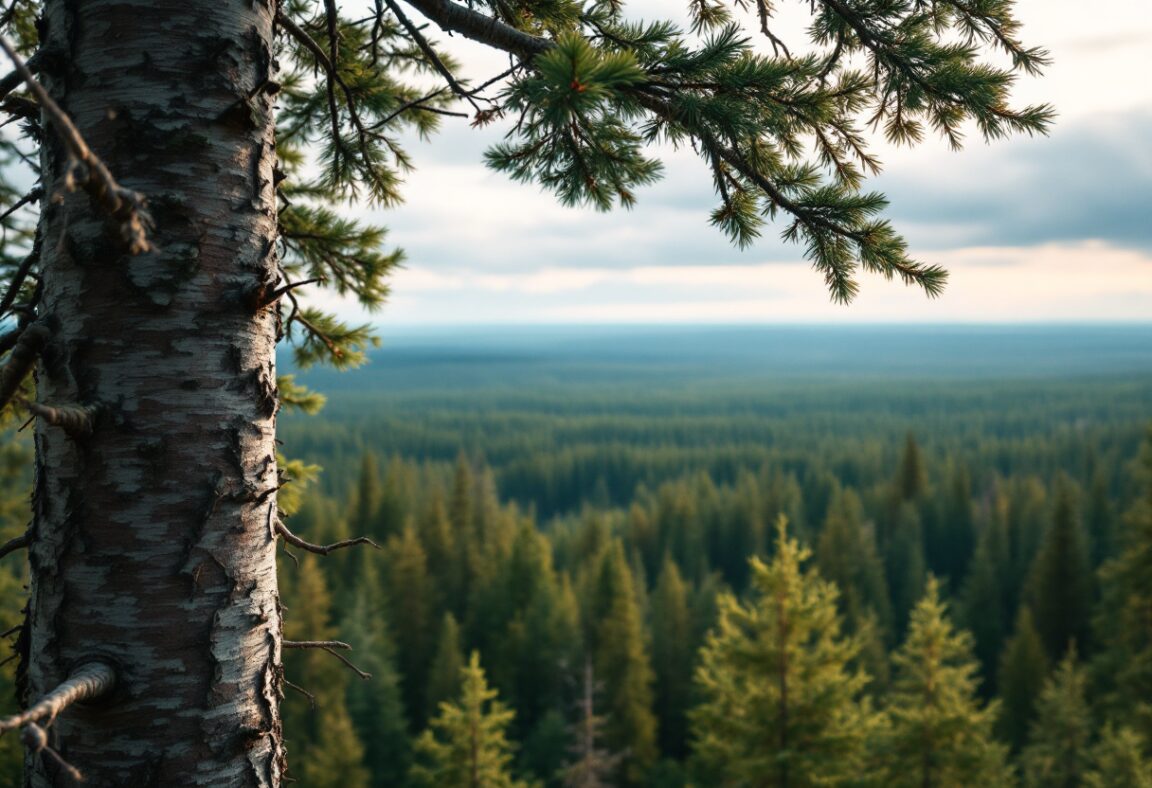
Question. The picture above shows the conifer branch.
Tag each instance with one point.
(482, 28)
(430, 53)
(35, 739)
(89, 681)
(24, 354)
(19, 276)
(86, 170)
(20, 542)
(296, 541)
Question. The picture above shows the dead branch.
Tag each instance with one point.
(35, 739)
(325, 549)
(87, 682)
(311, 698)
(315, 644)
(76, 420)
(85, 169)
(24, 354)
(16, 543)
(329, 646)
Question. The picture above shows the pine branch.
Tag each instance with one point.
(430, 53)
(87, 170)
(89, 681)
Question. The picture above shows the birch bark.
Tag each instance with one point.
(153, 541)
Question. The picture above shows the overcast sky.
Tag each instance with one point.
(1050, 229)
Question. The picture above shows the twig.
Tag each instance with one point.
(11, 631)
(35, 739)
(31, 196)
(124, 205)
(329, 646)
(295, 540)
(76, 420)
(14, 544)
(430, 53)
(311, 698)
(87, 682)
(315, 644)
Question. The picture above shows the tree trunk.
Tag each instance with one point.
(154, 546)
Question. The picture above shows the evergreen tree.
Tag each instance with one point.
(319, 731)
(1119, 760)
(673, 648)
(620, 658)
(466, 745)
(1122, 622)
(408, 590)
(846, 555)
(781, 705)
(938, 733)
(376, 706)
(907, 569)
(1057, 752)
(445, 671)
(1023, 670)
(983, 606)
(1060, 581)
(911, 480)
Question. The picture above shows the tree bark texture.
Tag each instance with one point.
(153, 542)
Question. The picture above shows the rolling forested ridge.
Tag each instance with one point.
(787, 557)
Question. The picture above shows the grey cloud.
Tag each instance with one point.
(1087, 181)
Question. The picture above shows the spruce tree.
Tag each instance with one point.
(1023, 669)
(781, 704)
(1123, 624)
(408, 591)
(621, 660)
(1120, 759)
(466, 745)
(847, 556)
(983, 605)
(1060, 587)
(673, 648)
(376, 706)
(939, 732)
(318, 730)
(445, 670)
(1057, 752)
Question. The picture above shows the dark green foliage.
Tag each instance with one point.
(938, 733)
(780, 702)
(466, 745)
(1123, 624)
(1023, 670)
(1060, 588)
(1057, 753)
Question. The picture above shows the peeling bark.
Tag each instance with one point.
(150, 547)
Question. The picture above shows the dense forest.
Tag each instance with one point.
(730, 557)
